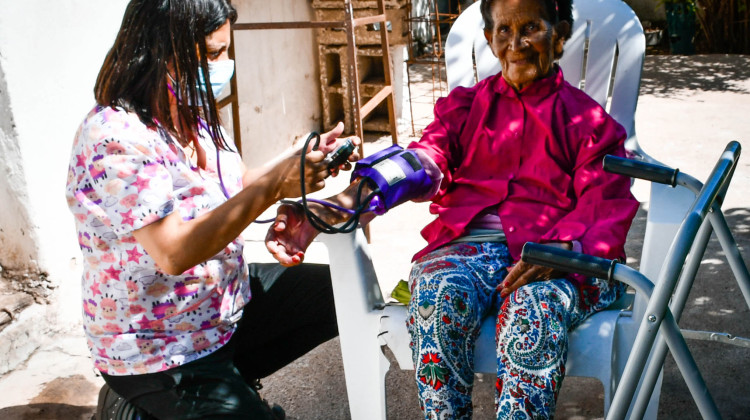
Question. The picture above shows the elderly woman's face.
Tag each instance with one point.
(524, 40)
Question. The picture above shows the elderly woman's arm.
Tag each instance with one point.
(604, 206)
(291, 233)
(440, 139)
(604, 210)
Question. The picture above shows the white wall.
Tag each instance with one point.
(50, 54)
(278, 78)
(16, 236)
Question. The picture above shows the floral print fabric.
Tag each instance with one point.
(454, 288)
(124, 175)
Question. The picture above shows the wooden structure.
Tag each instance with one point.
(353, 97)
(333, 53)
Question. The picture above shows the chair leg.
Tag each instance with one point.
(357, 297)
(365, 367)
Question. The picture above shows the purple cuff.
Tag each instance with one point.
(432, 171)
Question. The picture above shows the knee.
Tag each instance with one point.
(544, 296)
(450, 313)
(536, 316)
(442, 298)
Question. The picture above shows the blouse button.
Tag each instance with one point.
(511, 229)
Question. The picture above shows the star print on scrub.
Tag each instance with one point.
(124, 175)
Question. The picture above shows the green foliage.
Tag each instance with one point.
(401, 292)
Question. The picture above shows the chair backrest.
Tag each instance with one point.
(604, 56)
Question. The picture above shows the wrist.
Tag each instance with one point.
(339, 208)
(326, 213)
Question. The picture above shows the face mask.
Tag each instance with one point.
(220, 73)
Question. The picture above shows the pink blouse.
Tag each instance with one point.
(536, 155)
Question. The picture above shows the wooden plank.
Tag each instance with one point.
(287, 25)
(363, 21)
(226, 100)
(375, 100)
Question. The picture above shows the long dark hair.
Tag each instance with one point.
(134, 74)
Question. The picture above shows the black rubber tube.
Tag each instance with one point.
(568, 261)
(641, 170)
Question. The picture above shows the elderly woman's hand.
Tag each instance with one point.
(524, 273)
(290, 235)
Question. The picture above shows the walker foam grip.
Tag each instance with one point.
(397, 174)
(641, 170)
(569, 261)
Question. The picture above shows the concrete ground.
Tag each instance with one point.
(689, 109)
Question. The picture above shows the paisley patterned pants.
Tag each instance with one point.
(453, 289)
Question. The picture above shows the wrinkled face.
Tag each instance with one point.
(524, 40)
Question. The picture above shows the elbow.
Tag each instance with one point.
(171, 265)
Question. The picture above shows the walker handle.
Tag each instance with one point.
(642, 170)
(569, 261)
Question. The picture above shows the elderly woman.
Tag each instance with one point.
(176, 321)
(520, 156)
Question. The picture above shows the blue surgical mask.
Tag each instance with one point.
(220, 73)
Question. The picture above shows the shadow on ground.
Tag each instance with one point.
(74, 390)
(664, 74)
(47, 411)
(716, 304)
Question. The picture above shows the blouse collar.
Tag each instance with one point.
(541, 87)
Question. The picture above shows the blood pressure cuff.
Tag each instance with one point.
(396, 175)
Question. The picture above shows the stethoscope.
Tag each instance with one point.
(203, 125)
(218, 160)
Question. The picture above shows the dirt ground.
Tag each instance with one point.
(689, 109)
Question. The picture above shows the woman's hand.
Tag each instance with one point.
(286, 174)
(524, 273)
(330, 141)
(286, 170)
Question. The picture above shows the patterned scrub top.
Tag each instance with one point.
(122, 176)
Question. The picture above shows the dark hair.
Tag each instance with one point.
(153, 34)
(557, 10)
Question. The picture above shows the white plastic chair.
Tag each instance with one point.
(613, 37)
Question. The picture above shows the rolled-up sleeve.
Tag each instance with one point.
(130, 186)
